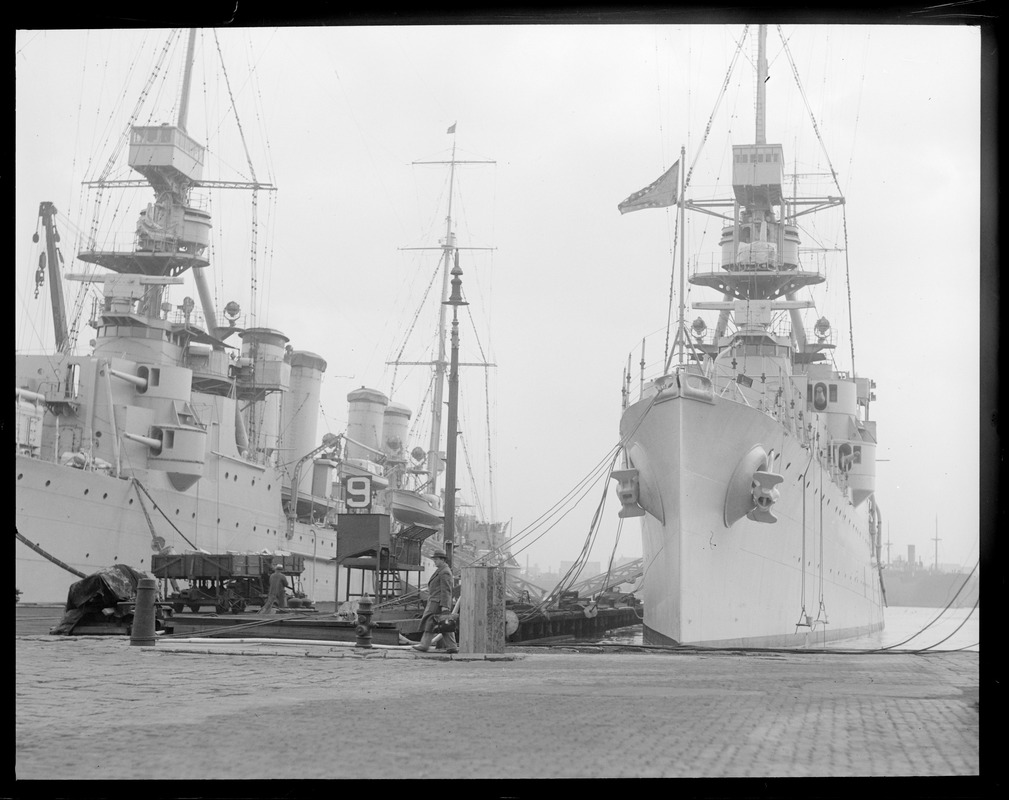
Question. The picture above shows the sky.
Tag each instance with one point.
(562, 288)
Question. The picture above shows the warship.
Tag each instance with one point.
(179, 431)
(750, 458)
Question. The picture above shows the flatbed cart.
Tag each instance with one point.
(230, 582)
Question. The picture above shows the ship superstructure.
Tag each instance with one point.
(751, 459)
(175, 433)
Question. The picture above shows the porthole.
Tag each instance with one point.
(176, 512)
(86, 491)
(105, 495)
(131, 501)
(48, 482)
(236, 477)
(20, 475)
(227, 475)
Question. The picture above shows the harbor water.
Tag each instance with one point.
(933, 629)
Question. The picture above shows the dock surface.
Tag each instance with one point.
(98, 708)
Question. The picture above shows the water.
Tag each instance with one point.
(906, 629)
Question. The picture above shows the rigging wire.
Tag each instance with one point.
(253, 247)
(833, 172)
(718, 101)
(607, 463)
(413, 323)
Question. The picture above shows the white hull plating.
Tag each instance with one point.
(91, 520)
(752, 583)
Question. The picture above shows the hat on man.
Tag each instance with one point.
(278, 565)
(439, 554)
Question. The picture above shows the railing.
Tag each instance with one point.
(712, 265)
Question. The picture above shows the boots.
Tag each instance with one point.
(448, 641)
(425, 642)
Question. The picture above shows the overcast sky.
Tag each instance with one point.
(575, 118)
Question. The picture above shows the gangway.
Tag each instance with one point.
(626, 573)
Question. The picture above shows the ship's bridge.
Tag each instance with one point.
(757, 174)
(167, 156)
(765, 284)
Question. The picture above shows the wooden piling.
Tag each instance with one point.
(482, 610)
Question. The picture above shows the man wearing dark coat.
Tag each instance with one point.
(439, 601)
(278, 590)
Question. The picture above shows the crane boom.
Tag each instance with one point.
(50, 261)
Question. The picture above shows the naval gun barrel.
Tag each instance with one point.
(154, 444)
(136, 380)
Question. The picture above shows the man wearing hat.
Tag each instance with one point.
(439, 601)
(278, 590)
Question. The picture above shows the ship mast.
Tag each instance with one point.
(171, 236)
(760, 136)
(452, 434)
(449, 252)
(448, 248)
(199, 276)
(936, 540)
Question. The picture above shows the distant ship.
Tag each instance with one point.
(910, 583)
(751, 460)
(176, 433)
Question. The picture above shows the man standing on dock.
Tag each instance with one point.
(439, 601)
(278, 590)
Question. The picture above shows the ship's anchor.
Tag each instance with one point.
(628, 492)
(752, 490)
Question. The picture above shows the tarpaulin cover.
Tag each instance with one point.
(102, 589)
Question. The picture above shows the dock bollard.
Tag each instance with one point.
(364, 622)
(142, 632)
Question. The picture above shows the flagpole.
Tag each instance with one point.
(680, 332)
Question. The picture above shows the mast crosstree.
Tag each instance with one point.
(449, 257)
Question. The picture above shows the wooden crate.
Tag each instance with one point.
(209, 565)
(172, 565)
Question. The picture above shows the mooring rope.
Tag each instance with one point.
(49, 556)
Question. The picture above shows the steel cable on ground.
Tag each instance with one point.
(954, 631)
(940, 614)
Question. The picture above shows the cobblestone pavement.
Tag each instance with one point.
(98, 708)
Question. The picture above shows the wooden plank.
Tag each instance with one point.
(482, 610)
(278, 628)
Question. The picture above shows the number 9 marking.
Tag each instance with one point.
(359, 492)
